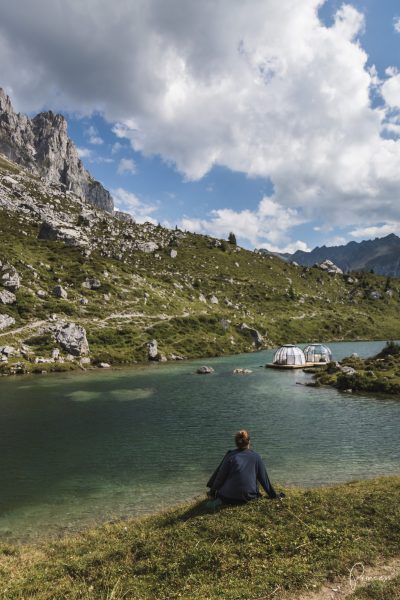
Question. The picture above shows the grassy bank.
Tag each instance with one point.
(378, 374)
(257, 551)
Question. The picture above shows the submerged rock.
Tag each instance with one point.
(205, 370)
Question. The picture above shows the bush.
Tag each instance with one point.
(391, 348)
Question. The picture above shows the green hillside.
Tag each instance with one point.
(193, 303)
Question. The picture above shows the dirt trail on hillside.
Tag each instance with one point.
(359, 576)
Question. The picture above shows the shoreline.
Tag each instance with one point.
(73, 367)
(294, 545)
(64, 533)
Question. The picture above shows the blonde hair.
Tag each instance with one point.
(242, 439)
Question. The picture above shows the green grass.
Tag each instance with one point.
(378, 590)
(379, 374)
(245, 552)
(160, 295)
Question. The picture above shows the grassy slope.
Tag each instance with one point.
(284, 302)
(237, 552)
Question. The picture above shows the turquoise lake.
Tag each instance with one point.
(79, 449)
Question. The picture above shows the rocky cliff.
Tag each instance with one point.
(42, 145)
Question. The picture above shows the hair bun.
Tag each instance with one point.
(242, 439)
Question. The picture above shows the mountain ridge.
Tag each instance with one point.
(381, 255)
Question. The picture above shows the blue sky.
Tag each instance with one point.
(283, 129)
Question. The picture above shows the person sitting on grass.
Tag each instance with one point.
(235, 480)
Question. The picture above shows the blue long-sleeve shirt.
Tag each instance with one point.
(236, 477)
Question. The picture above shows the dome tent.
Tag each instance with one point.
(289, 356)
(317, 353)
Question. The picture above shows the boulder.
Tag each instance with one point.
(10, 278)
(63, 232)
(173, 253)
(348, 370)
(175, 357)
(7, 297)
(147, 247)
(375, 295)
(91, 283)
(7, 350)
(41, 294)
(55, 355)
(6, 321)
(152, 350)
(205, 370)
(213, 300)
(104, 365)
(330, 267)
(72, 338)
(59, 292)
(255, 334)
(242, 371)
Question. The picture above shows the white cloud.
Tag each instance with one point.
(266, 226)
(396, 24)
(116, 147)
(84, 152)
(261, 87)
(377, 231)
(126, 165)
(93, 136)
(130, 203)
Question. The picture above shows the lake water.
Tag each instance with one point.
(77, 449)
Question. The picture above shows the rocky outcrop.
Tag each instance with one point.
(123, 216)
(72, 338)
(63, 232)
(42, 145)
(330, 267)
(255, 334)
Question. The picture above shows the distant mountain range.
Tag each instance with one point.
(382, 255)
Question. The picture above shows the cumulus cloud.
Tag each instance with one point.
(84, 152)
(261, 87)
(377, 231)
(126, 165)
(396, 24)
(93, 136)
(266, 226)
(130, 203)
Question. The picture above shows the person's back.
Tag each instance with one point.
(236, 478)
